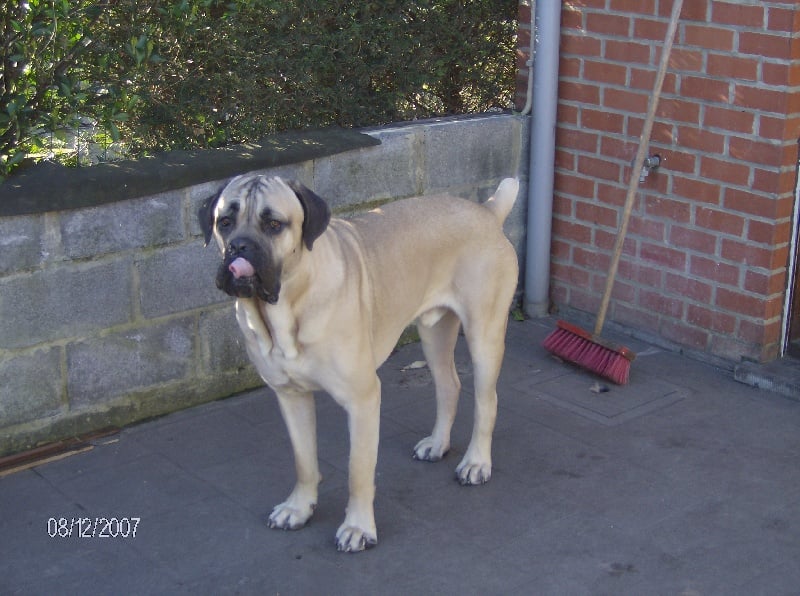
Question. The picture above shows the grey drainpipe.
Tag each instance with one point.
(547, 34)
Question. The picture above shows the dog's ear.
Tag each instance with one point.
(206, 216)
(316, 213)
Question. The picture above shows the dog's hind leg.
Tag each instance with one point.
(299, 413)
(486, 342)
(438, 344)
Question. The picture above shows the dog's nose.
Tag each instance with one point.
(238, 246)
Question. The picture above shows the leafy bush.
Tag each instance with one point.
(42, 42)
(205, 73)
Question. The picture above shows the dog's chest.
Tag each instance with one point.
(279, 372)
(274, 350)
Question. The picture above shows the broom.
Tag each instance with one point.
(589, 350)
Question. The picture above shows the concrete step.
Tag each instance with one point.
(780, 376)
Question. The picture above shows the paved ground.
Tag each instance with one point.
(682, 482)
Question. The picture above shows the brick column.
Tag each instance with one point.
(705, 263)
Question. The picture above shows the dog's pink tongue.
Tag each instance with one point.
(241, 267)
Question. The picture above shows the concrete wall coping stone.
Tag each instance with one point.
(31, 191)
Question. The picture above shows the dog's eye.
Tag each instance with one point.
(224, 222)
(274, 225)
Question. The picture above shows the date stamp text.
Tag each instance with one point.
(93, 527)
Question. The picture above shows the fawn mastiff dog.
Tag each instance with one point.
(322, 301)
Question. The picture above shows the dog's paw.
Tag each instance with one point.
(470, 473)
(286, 517)
(429, 450)
(350, 539)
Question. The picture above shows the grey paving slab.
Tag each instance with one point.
(682, 482)
(583, 554)
(722, 546)
(142, 487)
(214, 437)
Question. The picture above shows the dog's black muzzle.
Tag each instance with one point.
(264, 283)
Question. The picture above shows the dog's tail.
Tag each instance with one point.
(503, 200)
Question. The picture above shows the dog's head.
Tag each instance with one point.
(259, 223)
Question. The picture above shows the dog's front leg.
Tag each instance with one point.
(299, 413)
(358, 531)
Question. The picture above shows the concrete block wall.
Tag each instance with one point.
(706, 260)
(109, 314)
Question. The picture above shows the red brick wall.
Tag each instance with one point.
(705, 261)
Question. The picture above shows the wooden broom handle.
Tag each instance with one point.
(638, 162)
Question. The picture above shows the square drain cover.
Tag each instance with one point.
(619, 404)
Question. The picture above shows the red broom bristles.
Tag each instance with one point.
(601, 357)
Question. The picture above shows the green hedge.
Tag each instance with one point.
(167, 75)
